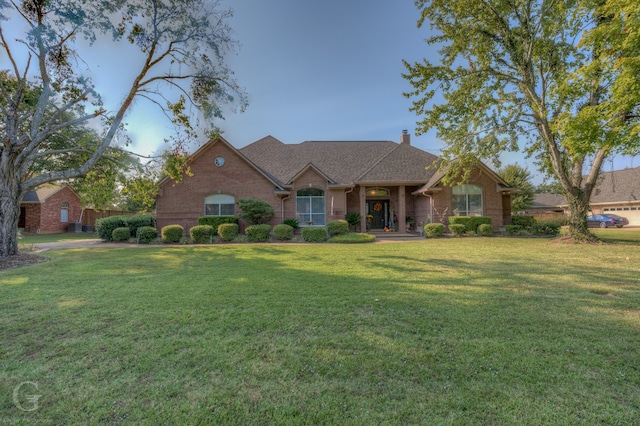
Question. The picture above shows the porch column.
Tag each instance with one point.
(402, 209)
(363, 209)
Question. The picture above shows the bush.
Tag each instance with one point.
(147, 234)
(201, 234)
(138, 221)
(228, 231)
(106, 225)
(545, 229)
(458, 229)
(522, 220)
(353, 238)
(120, 234)
(515, 229)
(470, 223)
(433, 230)
(258, 233)
(283, 232)
(215, 221)
(314, 234)
(292, 223)
(255, 211)
(337, 227)
(485, 230)
(353, 219)
(171, 233)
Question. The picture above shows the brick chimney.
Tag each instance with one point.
(405, 138)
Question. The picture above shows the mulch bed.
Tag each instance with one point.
(20, 259)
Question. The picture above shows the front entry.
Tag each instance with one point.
(378, 215)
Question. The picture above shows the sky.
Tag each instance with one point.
(312, 70)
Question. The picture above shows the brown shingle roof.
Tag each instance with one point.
(618, 186)
(343, 162)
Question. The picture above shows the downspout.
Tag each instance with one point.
(282, 200)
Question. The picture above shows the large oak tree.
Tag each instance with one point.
(181, 47)
(559, 79)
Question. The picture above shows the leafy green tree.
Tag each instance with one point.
(181, 45)
(559, 78)
(518, 177)
(549, 187)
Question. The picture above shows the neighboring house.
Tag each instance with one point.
(316, 182)
(49, 208)
(617, 192)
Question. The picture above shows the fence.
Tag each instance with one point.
(89, 216)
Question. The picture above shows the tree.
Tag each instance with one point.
(255, 211)
(182, 45)
(518, 177)
(549, 187)
(559, 78)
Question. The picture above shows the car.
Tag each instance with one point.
(606, 220)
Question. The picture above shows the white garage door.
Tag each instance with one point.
(631, 213)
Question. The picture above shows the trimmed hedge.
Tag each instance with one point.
(120, 234)
(147, 234)
(458, 229)
(433, 230)
(470, 223)
(138, 221)
(258, 233)
(485, 230)
(228, 231)
(314, 234)
(171, 233)
(283, 232)
(106, 225)
(201, 234)
(215, 221)
(514, 229)
(337, 227)
(523, 220)
(353, 238)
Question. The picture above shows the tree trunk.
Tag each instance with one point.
(579, 208)
(9, 216)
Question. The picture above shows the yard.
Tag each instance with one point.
(451, 331)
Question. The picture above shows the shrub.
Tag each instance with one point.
(514, 229)
(457, 229)
(228, 231)
(106, 225)
(138, 221)
(171, 233)
(258, 233)
(147, 234)
(353, 219)
(292, 223)
(120, 234)
(545, 229)
(433, 230)
(337, 227)
(201, 234)
(353, 238)
(215, 221)
(485, 230)
(314, 234)
(470, 223)
(523, 220)
(283, 232)
(255, 211)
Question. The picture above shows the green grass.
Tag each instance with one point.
(445, 331)
(51, 238)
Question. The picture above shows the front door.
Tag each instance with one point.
(379, 210)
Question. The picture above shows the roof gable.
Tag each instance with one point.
(616, 186)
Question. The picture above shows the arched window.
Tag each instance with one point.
(377, 192)
(310, 207)
(219, 205)
(467, 200)
(64, 212)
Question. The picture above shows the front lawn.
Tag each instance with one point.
(446, 331)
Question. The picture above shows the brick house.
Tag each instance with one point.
(318, 181)
(49, 208)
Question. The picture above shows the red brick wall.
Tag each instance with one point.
(183, 203)
(32, 217)
(50, 211)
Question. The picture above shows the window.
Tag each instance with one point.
(310, 206)
(467, 200)
(219, 205)
(64, 212)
